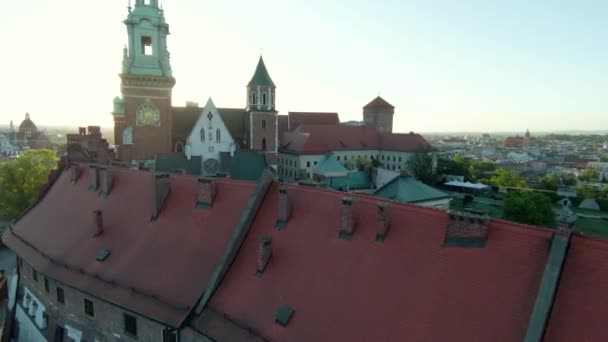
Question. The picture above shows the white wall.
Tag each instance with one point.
(210, 147)
(30, 320)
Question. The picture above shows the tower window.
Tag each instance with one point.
(253, 97)
(217, 135)
(264, 98)
(264, 124)
(146, 46)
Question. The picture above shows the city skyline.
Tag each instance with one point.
(476, 67)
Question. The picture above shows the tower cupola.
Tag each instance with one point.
(147, 52)
(261, 90)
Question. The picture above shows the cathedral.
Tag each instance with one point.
(146, 123)
(148, 129)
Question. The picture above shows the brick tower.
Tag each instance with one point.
(379, 114)
(261, 113)
(142, 117)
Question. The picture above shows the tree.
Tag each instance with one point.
(589, 175)
(549, 182)
(363, 163)
(529, 207)
(457, 166)
(479, 168)
(422, 166)
(586, 191)
(507, 179)
(21, 179)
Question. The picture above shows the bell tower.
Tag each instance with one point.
(142, 117)
(379, 114)
(261, 114)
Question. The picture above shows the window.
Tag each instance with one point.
(169, 336)
(264, 144)
(60, 295)
(252, 99)
(338, 158)
(89, 308)
(46, 284)
(382, 157)
(202, 135)
(35, 275)
(394, 159)
(217, 135)
(264, 124)
(264, 98)
(146, 46)
(315, 162)
(399, 159)
(307, 164)
(130, 325)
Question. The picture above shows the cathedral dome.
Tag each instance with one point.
(27, 124)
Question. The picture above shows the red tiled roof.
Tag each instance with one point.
(408, 288)
(320, 139)
(312, 118)
(379, 102)
(168, 262)
(581, 306)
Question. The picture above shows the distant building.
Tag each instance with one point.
(519, 142)
(25, 137)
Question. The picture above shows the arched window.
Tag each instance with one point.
(252, 98)
(264, 144)
(202, 135)
(264, 98)
(179, 146)
(217, 135)
(127, 136)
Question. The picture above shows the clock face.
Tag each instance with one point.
(148, 115)
(211, 166)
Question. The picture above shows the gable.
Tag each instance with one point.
(209, 135)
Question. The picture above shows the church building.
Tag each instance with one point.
(147, 124)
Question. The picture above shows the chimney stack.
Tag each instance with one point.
(347, 220)
(466, 231)
(206, 193)
(384, 221)
(82, 131)
(74, 173)
(162, 187)
(93, 178)
(98, 221)
(284, 210)
(106, 182)
(264, 254)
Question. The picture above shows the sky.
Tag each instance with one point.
(469, 65)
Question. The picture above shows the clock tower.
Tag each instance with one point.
(142, 117)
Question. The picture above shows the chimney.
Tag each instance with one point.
(347, 220)
(384, 221)
(106, 182)
(162, 187)
(206, 193)
(74, 174)
(284, 208)
(466, 230)
(93, 178)
(82, 131)
(98, 221)
(264, 254)
(94, 130)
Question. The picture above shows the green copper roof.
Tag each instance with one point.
(173, 162)
(245, 165)
(409, 190)
(330, 165)
(353, 180)
(261, 76)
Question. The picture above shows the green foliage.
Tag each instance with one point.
(363, 163)
(21, 180)
(376, 163)
(568, 180)
(549, 182)
(472, 170)
(507, 179)
(529, 207)
(421, 166)
(586, 191)
(589, 175)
